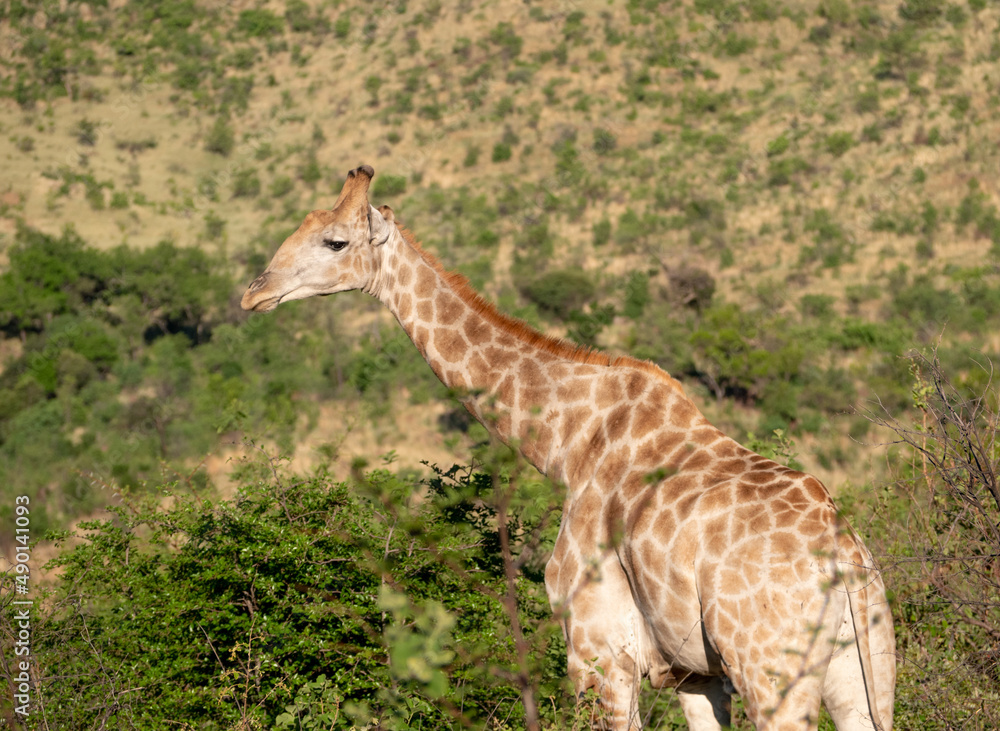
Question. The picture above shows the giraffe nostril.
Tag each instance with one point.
(257, 283)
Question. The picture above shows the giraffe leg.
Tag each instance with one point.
(605, 641)
(779, 667)
(785, 707)
(616, 686)
(845, 692)
(706, 702)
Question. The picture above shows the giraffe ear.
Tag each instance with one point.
(382, 224)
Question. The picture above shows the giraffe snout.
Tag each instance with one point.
(256, 297)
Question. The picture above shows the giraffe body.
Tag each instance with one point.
(681, 556)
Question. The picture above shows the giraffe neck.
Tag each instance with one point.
(541, 395)
(486, 358)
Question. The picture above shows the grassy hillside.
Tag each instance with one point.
(774, 201)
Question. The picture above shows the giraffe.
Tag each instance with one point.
(681, 557)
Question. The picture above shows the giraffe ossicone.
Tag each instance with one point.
(722, 568)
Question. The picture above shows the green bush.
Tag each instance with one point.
(781, 171)
(921, 11)
(87, 132)
(778, 145)
(561, 291)
(386, 186)
(382, 599)
(298, 16)
(342, 26)
(736, 45)
(101, 327)
(311, 173)
(220, 139)
(604, 141)
(601, 232)
(509, 42)
(281, 186)
(832, 246)
(941, 509)
(259, 23)
(501, 152)
(633, 228)
(246, 183)
(372, 85)
(838, 143)
(235, 92)
(636, 294)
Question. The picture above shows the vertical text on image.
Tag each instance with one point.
(22, 618)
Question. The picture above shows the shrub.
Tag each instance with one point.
(872, 133)
(574, 29)
(504, 36)
(342, 26)
(87, 132)
(921, 11)
(246, 183)
(781, 171)
(259, 23)
(236, 92)
(228, 612)
(736, 45)
(837, 143)
(936, 526)
(504, 107)
(692, 286)
(778, 145)
(636, 294)
(372, 85)
(501, 152)
(817, 305)
(385, 186)
(832, 246)
(311, 172)
(836, 11)
(602, 232)
(604, 141)
(298, 16)
(562, 291)
(960, 105)
(215, 226)
(281, 186)
(220, 138)
(821, 34)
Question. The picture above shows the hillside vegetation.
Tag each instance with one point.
(776, 202)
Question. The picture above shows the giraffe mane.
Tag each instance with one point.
(523, 331)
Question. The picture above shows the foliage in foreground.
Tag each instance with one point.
(302, 604)
(938, 528)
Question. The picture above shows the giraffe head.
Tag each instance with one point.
(332, 251)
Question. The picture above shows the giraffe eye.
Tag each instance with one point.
(335, 244)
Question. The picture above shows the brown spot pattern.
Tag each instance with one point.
(450, 344)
